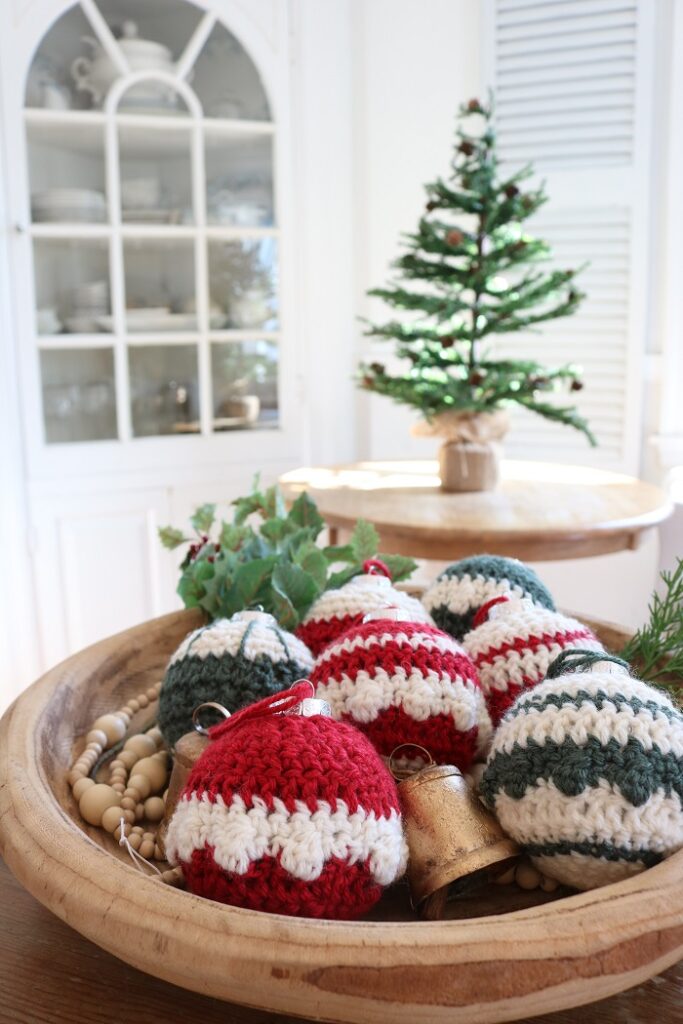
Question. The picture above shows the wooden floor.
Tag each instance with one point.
(49, 974)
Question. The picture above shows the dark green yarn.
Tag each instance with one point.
(575, 659)
(493, 568)
(598, 698)
(605, 850)
(231, 680)
(638, 773)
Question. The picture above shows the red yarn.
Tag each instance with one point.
(483, 613)
(363, 675)
(377, 565)
(318, 633)
(287, 762)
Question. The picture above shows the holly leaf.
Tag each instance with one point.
(191, 586)
(364, 541)
(304, 512)
(250, 579)
(294, 591)
(275, 530)
(339, 553)
(233, 537)
(244, 507)
(274, 504)
(400, 566)
(203, 517)
(311, 559)
(338, 579)
(170, 537)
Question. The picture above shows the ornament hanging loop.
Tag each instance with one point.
(404, 773)
(207, 704)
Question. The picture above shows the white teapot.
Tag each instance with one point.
(98, 74)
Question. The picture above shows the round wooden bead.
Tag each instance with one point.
(138, 829)
(155, 734)
(139, 811)
(152, 693)
(507, 878)
(154, 770)
(526, 876)
(135, 840)
(549, 884)
(148, 835)
(112, 726)
(95, 801)
(128, 803)
(97, 736)
(143, 700)
(142, 745)
(81, 785)
(119, 787)
(129, 816)
(128, 758)
(154, 808)
(133, 705)
(158, 852)
(117, 833)
(147, 848)
(141, 783)
(75, 775)
(111, 819)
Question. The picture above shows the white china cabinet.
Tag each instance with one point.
(147, 149)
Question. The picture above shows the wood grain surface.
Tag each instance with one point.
(49, 974)
(539, 512)
(529, 954)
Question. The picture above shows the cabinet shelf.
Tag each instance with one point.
(163, 232)
(69, 123)
(106, 340)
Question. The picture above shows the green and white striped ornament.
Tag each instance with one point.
(586, 772)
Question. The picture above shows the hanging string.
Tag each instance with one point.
(483, 613)
(574, 659)
(277, 704)
(137, 858)
(376, 567)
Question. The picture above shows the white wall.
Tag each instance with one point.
(415, 62)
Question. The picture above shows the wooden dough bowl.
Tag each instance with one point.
(503, 954)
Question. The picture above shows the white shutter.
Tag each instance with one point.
(572, 81)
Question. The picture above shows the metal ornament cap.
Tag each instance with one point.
(450, 836)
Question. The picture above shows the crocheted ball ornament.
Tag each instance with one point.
(514, 642)
(406, 683)
(586, 772)
(232, 661)
(289, 814)
(459, 591)
(336, 611)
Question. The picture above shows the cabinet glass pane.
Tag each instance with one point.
(79, 399)
(164, 389)
(239, 180)
(50, 83)
(72, 285)
(156, 176)
(243, 281)
(226, 80)
(168, 22)
(66, 173)
(160, 292)
(244, 384)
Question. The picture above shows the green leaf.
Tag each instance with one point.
(191, 586)
(274, 503)
(275, 530)
(338, 579)
(233, 537)
(304, 512)
(202, 520)
(311, 559)
(247, 506)
(399, 566)
(250, 579)
(339, 553)
(364, 541)
(170, 537)
(294, 591)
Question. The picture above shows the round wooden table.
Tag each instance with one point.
(540, 512)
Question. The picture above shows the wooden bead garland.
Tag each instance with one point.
(137, 773)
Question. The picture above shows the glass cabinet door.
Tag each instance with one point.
(154, 234)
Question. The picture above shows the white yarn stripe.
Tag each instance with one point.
(460, 595)
(517, 621)
(583, 872)
(554, 725)
(440, 642)
(365, 594)
(420, 696)
(514, 666)
(224, 637)
(600, 814)
(611, 679)
(304, 840)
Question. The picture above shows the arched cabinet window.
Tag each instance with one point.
(154, 227)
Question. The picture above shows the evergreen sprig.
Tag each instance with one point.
(451, 284)
(656, 650)
(268, 557)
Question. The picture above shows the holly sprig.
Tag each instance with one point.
(268, 556)
(656, 649)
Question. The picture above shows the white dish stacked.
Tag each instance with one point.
(70, 205)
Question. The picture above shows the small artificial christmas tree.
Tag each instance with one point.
(471, 272)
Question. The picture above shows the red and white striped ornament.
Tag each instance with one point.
(514, 641)
(336, 611)
(289, 812)
(406, 683)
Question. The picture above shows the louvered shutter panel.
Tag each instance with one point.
(572, 81)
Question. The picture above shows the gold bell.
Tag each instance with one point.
(450, 836)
